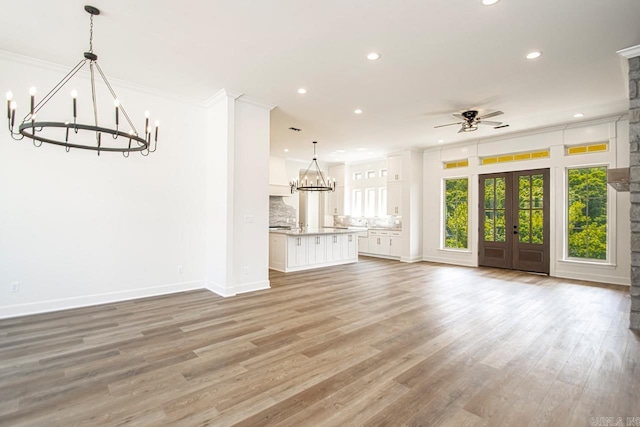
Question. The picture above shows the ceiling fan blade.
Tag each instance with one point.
(458, 116)
(450, 124)
(462, 130)
(487, 122)
(486, 116)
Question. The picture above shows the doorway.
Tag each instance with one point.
(514, 220)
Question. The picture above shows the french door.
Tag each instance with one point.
(514, 220)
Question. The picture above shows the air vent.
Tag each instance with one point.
(295, 129)
(501, 126)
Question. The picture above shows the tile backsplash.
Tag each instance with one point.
(281, 214)
(391, 222)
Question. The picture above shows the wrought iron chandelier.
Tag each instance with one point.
(58, 133)
(308, 183)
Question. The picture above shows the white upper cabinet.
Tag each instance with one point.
(394, 168)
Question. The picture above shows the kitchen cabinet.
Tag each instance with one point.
(394, 198)
(394, 169)
(349, 245)
(334, 247)
(336, 202)
(387, 244)
(316, 249)
(295, 251)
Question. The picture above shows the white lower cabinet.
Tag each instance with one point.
(317, 249)
(384, 243)
(334, 247)
(297, 251)
(294, 253)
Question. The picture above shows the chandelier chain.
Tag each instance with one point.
(91, 34)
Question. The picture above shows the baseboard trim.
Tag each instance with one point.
(219, 289)
(590, 277)
(449, 261)
(97, 299)
(252, 287)
(411, 259)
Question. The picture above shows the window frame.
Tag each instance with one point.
(357, 176)
(359, 212)
(443, 231)
(367, 194)
(610, 257)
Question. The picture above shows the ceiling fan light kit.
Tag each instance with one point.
(41, 131)
(471, 120)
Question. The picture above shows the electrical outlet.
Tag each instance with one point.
(180, 269)
(246, 270)
(15, 287)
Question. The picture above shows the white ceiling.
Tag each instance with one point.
(438, 57)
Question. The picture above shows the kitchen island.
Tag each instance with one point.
(296, 250)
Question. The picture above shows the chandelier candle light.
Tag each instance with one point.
(42, 131)
(308, 184)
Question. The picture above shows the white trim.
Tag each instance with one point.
(630, 52)
(253, 286)
(449, 261)
(51, 66)
(220, 95)
(97, 299)
(578, 261)
(417, 258)
(256, 102)
(312, 266)
(219, 289)
(591, 277)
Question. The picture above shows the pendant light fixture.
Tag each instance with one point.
(70, 133)
(314, 179)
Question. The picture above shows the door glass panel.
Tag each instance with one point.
(537, 191)
(524, 192)
(524, 226)
(488, 226)
(488, 193)
(500, 193)
(500, 226)
(537, 226)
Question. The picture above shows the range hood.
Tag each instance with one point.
(619, 178)
(278, 182)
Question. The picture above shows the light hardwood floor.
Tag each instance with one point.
(374, 343)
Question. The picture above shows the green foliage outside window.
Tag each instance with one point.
(456, 198)
(587, 222)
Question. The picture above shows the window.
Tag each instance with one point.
(587, 218)
(370, 206)
(382, 201)
(456, 197)
(371, 174)
(357, 176)
(356, 207)
(383, 172)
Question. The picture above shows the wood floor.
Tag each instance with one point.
(375, 343)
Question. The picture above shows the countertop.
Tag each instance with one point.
(314, 231)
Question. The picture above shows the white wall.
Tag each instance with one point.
(612, 130)
(251, 196)
(78, 229)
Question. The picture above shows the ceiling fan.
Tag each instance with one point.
(471, 120)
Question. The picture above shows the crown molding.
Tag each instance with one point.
(256, 102)
(630, 52)
(125, 84)
(219, 95)
(534, 131)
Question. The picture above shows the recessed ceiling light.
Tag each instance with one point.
(440, 141)
(373, 56)
(578, 115)
(357, 111)
(286, 150)
(489, 2)
(302, 91)
(534, 55)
